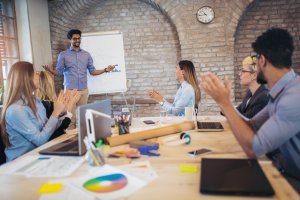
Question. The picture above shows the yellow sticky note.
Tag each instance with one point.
(188, 168)
(50, 188)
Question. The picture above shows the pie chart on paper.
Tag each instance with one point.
(107, 183)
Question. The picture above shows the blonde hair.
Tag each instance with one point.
(19, 84)
(251, 61)
(190, 76)
(46, 91)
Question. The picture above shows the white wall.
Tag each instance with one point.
(34, 32)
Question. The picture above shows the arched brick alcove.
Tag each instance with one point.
(257, 18)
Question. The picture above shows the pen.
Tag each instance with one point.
(43, 158)
(116, 65)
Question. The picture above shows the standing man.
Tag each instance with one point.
(73, 63)
(276, 129)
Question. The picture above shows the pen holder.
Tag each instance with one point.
(123, 128)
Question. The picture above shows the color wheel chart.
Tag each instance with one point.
(107, 183)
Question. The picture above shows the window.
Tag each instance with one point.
(9, 52)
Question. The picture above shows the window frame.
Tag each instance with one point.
(7, 39)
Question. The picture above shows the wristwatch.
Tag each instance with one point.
(105, 69)
(162, 102)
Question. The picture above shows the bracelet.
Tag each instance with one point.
(105, 70)
(69, 115)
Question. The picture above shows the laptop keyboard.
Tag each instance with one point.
(209, 125)
(72, 146)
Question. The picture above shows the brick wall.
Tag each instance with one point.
(158, 33)
(259, 16)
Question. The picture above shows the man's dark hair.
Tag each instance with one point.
(277, 46)
(72, 32)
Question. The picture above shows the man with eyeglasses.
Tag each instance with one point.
(256, 97)
(74, 63)
(275, 130)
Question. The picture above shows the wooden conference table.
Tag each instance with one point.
(170, 183)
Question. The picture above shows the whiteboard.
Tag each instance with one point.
(106, 48)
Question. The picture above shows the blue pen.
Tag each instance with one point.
(43, 158)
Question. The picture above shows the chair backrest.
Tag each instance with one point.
(2, 148)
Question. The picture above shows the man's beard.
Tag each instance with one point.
(76, 45)
(261, 78)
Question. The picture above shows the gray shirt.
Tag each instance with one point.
(278, 124)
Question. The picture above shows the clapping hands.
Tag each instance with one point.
(155, 95)
(65, 102)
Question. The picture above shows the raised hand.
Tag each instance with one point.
(74, 98)
(110, 67)
(60, 104)
(155, 95)
(219, 90)
(49, 69)
(46, 67)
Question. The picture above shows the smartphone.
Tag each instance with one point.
(149, 122)
(199, 151)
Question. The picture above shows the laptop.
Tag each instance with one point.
(233, 177)
(75, 145)
(208, 126)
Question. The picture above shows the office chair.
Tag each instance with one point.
(2, 148)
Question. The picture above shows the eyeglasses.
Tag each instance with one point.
(244, 71)
(76, 39)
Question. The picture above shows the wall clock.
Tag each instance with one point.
(205, 14)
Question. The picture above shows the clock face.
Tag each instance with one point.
(205, 14)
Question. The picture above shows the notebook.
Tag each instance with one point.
(208, 126)
(75, 146)
(233, 177)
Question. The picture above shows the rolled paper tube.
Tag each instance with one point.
(152, 133)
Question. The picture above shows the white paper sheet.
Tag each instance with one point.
(142, 170)
(44, 166)
(74, 189)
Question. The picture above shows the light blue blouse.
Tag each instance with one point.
(185, 97)
(25, 130)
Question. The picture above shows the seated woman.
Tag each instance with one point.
(257, 95)
(24, 123)
(46, 93)
(188, 94)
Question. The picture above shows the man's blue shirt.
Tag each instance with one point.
(278, 124)
(74, 66)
